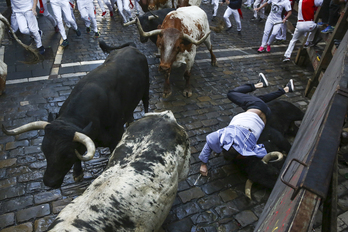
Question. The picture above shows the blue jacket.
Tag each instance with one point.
(234, 4)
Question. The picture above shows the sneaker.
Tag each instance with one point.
(111, 13)
(308, 44)
(261, 49)
(329, 29)
(291, 86)
(213, 19)
(261, 20)
(65, 43)
(239, 32)
(321, 24)
(263, 80)
(88, 29)
(286, 59)
(229, 28)
(78, 32)
(253, 19)
(41, 50)
(97, 34)
(278, 41)
(268, 49)
(56, 29)
(130, 19)
(104, 13)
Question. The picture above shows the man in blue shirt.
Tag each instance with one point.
(241, 135)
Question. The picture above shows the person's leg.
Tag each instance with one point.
(226, 16)
(297, 34)
(266, 32)
(65, 6)
(237, 18)
(275, 30)
(101, 5)
(33, 27)
(216, 7)
(22, 23)
(58, 15)
(90, 9)
(120, 10)
(14, 23)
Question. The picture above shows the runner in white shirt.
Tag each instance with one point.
(274, 17)
(63, 5)
(86, 9)
(25, 12)
(42, 4)
(305, 23)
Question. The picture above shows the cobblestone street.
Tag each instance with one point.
(216, 202)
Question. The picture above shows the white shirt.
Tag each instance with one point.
(277, 9)
(21, 5)
(250, 121)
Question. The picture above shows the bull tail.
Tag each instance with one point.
(108, 49)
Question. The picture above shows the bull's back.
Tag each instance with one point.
(192, 20)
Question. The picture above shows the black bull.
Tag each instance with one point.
(98, 106)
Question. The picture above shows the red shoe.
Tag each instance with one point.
(261, 49)
(104, 13)
(268, 49)
(111, 13)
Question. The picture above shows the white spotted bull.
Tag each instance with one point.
(139, 185)
(181, 31)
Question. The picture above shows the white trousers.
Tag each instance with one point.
(14, 23)
(123, 8)
(86, 9)
(301, 29)
(46, 13)
(235, 13)
(63, 5)
(282, 32)
(28, 25)
(268, 39)
(261, 12)
(107, 3)
(216, 6)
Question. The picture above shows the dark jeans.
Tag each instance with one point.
(240, 97)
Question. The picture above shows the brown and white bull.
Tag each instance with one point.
(139, 185)
(181, 31)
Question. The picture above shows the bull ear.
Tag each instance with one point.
(52, 116)
(88, 129)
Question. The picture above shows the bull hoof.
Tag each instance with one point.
(214, 63)
(187, 93)
(78, 178)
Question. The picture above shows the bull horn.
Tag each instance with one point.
(156, 16)
(195, 42)
(152, 17)
(39, 125)
(146, 34)
(85, 140)
(271, 155)
(130, 22)
(248, 185)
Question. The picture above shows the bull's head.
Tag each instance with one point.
(265, 160)
(171, 41)
(152, 4)
(59, 147)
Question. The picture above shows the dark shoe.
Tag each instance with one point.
(97, 34)
(78, 32)
(239, 32)
(291, 86)
(286, 59)
(229, 28)
(65, 43)
(253, 19)
(56, 29)
(261, 20)
(41, 50)
(263, 80)
(88, 29)
(213, 19)
(308, 44)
